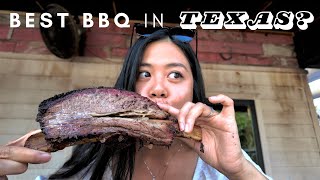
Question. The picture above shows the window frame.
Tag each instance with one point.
(239, 105)
(243, 105)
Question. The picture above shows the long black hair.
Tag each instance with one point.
(94, 158)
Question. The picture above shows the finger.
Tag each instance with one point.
(24, 155)
(173, 111)
(9, 167)
(184, 111)
(22, 140)
(210, 113)
(196, 111)
(228, 104)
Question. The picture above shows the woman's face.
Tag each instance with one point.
(165, 75)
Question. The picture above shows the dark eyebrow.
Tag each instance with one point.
(145, 64)
(177, 65)
(168, 65)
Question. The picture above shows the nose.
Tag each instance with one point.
(158, 94)
(158, 91)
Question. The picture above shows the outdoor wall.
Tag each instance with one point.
(259, 66)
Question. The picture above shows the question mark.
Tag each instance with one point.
(303, 18)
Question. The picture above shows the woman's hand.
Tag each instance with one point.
(222, 148)
(14, 158)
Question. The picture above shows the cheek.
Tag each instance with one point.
(144, 88)
(141, 89)
(182, 95)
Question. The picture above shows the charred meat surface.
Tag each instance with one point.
(96, 114)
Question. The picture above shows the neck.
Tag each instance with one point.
(156, 162)
(161, 152)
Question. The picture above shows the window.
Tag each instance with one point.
(248, 129)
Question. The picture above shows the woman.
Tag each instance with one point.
(165, 69)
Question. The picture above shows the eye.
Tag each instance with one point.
(175, 75)
(144, 74)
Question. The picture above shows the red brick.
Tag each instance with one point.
(227, 35)
(98, 52)
(111, 29)
(103, 39)
(236, 59)
(4, 30)
(32, 47)
(204, 34)
(222, 58)
(289, 62)
(193, 45)
(6, 46)
(26, 34)
(226, 58)
(292, 63)
(259, 61)
(208, 57)
(268, 38)
(229, 47)
(276, 62)
(119, 52)
(220, 35)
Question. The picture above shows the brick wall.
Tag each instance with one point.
(214, 46)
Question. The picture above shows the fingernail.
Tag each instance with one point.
(182, 126)
(213, 97)
(45, 156)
